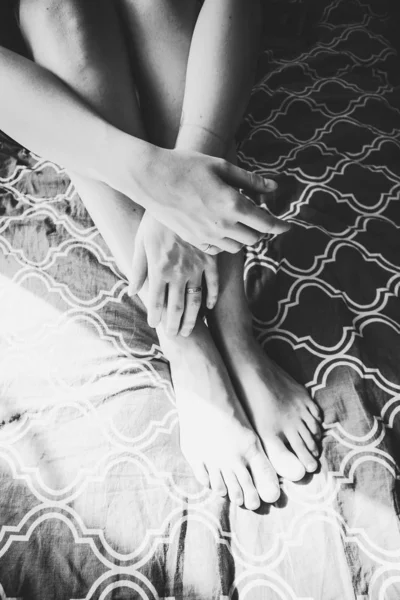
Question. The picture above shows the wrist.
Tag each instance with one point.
(201, 139)
(124, 162)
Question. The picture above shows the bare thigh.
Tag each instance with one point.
(158, 34)
(82, 42)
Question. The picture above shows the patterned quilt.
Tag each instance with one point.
(97, 502)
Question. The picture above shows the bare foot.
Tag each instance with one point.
(215, 434)
(280, 410)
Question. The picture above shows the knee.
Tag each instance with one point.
(61, 25)
(64, 17)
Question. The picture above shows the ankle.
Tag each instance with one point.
(231, 328)
(179, 349)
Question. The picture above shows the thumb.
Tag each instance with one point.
(138, 269)
(249, 181)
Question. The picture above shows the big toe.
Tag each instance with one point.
(265, 478)
(284, 461)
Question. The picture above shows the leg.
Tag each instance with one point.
(280, 410)
(159, 34)
(63, 36)
(215, 433)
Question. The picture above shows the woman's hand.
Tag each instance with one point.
(175, 271)
(197, 197)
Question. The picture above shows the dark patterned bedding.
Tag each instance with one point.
(96, 500)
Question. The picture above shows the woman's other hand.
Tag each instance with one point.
(175, 271)
(198, 197)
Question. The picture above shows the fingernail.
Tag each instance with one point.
(270, 184)
(285, 226)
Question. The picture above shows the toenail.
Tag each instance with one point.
(311, 467)
(253, 504)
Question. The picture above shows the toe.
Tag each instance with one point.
(234, 489)
(302, 452)
(313, 425)
(309, 440)
(201, 474)
(264, 477)
(315, 410)
(217, 483)
(284, 461)
(250, 494)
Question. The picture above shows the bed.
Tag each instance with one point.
(96, 499)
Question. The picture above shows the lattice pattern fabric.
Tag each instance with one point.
(96, 499)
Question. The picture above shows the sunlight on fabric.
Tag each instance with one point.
(62, 368)
(44, 351)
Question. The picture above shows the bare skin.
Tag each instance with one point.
(279, 409)
(226, 447)
(216, 436)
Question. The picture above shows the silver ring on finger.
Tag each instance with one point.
(194, 290)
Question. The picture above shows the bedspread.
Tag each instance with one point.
(96, 499)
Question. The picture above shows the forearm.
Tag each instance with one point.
(43, 114)
(220, 73)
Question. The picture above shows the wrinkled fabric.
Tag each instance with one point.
(96, 499)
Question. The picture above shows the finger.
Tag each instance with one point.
(192, 307)
(230, 245)
(138, 268)
(213, 250)
(208, 248)
(224, 245)
(211, 276)
(245, 235)
(156, 300)
(259, 219)
(248, 180)
(175, 307)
